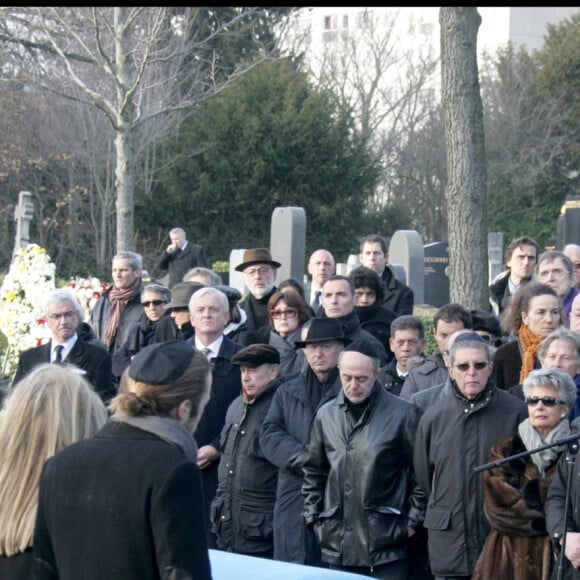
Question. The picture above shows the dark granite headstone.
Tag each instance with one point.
(436, 270)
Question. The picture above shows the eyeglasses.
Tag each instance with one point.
(546, 401)
(558, 273)
(152, 303)
(66, 315)
(261, 271)
(464, 367)
(289, 313)
(487, 337)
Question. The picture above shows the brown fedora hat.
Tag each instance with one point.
(257, 256)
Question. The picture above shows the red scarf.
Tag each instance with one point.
(119, 297)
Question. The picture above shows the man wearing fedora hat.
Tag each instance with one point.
(177, 326)
(247, 480)
(286, 433)
(259, 271)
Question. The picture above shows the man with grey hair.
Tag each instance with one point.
(260, 272)
(68, 345)
(559, 350)
(556, 270)
(180, 256)
(119, 309)
(573, 252)
(209, 314)
(321, 267)
(454, 436)
(202, 275)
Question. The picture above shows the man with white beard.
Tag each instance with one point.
(259, 276)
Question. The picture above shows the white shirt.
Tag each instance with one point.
(68, 346)
(214, 347)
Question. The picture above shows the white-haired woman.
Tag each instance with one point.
(518, 545)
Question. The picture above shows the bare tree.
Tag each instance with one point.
(367, 60)
(466, 168)
(136, 65)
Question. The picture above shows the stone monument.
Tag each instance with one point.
(23, 214)
(406, 250)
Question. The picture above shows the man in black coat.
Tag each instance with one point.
(407, 340)
(374, 254)
(209, 313)
(243, 508)
(286, 433)
(180, 257)
(118, 311)
(338, 302)
(259, 277)
(68, 345)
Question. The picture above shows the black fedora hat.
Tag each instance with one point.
(257, 256)
(322, 330)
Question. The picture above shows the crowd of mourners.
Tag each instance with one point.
(301, 423)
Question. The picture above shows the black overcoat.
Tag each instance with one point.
(123, 504)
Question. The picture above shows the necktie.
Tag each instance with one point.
(58, 353)
(206, 351)
(316, 302)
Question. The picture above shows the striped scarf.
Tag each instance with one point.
(119, 297)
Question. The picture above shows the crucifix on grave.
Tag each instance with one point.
(23, 214)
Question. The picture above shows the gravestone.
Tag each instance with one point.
(236, 279)
(23, 214)
(288, 241)
(568, 225)
(406, 252)
(287, 246)
(436, 274)
(495, 254)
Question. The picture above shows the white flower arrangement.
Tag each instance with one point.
(29, 279)
(88, 291)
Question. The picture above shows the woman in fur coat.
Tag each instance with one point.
(518, 546)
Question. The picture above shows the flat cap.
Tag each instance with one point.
(364, 346)
(161, 363)
(255, 355)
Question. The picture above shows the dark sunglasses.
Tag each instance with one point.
(546, 401)
(152, 303)
(464, 367)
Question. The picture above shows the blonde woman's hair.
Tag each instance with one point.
(50, 408)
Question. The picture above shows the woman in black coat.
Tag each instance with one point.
(127, 503)
(534, 312)
(373, 316)
(53, 406)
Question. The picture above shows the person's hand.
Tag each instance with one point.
(573, 548)
(206, 455)
(171, 248)
(411, 531)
